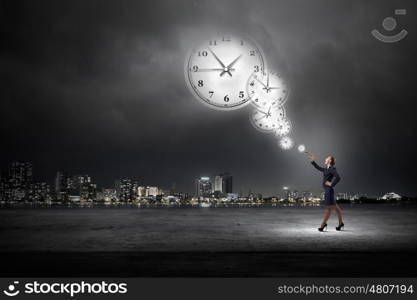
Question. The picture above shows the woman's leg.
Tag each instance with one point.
(339, 214)
(327, 213)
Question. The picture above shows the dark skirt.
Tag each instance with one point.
(329, 196)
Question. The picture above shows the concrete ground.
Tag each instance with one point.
(273, 241)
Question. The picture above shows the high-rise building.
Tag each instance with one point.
(61, 185)
(223, 183)
(38, 192)
(203, 187)
(107, 195)
(67, 186)
(218, 184)
(20, 173)
(16, 183)
(127, 189)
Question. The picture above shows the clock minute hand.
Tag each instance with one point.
(212, 69)
(263, 112)
(225, 69)
(218, 59)
(267, 80)
(261, 83)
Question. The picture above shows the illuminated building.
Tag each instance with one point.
(16, 183)
(391, 196)
(223, 183)
(127, 189)
(203, 187)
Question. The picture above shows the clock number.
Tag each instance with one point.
(226, 98)
(225, 39)
(211, 93)
(202, 53)
(252, 52)
(252, 83)
(200, 83)
(241, 94)
(213, 43)
(256, 68)
(195, 68)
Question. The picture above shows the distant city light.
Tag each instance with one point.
(285, 188)
(301, 148)
(205, 178)
(286, 143)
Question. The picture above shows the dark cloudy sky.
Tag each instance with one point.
(98, 87)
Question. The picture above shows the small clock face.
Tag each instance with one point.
(267, 120)
(283, 127)
(286, 143)
(266, 89)
(217, 71)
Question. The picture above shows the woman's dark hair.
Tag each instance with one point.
(332, 160)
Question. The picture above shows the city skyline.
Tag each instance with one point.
(21, 175)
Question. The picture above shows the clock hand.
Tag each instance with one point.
(212, 69)
(267, 80)
(218, 59)
(263, 112)
(230, 65)
(274, 88)
(225, 69)
(261, 83)
(233, 62)
(260, 118)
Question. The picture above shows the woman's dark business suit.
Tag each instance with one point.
(329, 174)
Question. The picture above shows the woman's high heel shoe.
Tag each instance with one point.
(322, 228)
(338, 228)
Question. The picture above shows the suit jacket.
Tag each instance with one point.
(329, 174)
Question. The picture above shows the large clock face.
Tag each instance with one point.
(267, 120)
(218, 70)
(267, 88)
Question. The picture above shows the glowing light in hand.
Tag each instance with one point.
(301, 148)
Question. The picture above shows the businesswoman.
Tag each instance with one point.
(330, 179)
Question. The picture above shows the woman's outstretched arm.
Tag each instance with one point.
(321, 169)
(313, 158)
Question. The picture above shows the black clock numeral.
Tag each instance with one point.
(211, 93)
(213, 43)
(200, 83)
(226, 39)
(241, 94)
(252, 52)
(252, 83)
(195, 68)
(226, 98)
(256, 68)
(202, 53)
